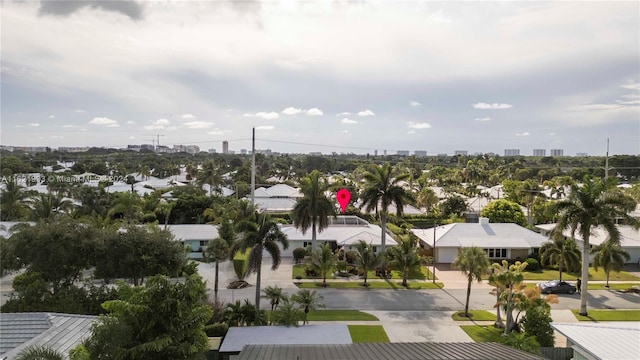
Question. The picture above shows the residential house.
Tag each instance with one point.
(602, 341)
(277, 198)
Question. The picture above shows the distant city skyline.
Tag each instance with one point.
(323, 76)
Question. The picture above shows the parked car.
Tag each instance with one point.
(557, 287)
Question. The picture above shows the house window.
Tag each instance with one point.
(496, 253)
(306, 243)
(375, 249)
(203, 243)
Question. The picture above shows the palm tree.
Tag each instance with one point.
(383, 188)
(323, 260)
(45, 206)
(127, 204)
(609, 256)
(308, 300)
(405, 258)
(275, 295)
(313, 209)
(39, 353)
(210, 175)
(218, 251)
(263, 233)
(12, 201)
(507, 278)
(560, 251)
(596, 203)
(164, 208)
(474, 262)
(366, 259)
(427, 199)
(286, 315)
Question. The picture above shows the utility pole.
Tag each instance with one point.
(435, 225)
(606, 162)
(253, 167)
(158, 142)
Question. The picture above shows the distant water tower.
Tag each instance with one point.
(225, 147)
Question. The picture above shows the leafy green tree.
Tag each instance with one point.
(307, 300)
(522, 341)
(263, 233)
(537, 322)
(313, 209)
(562, 252)
(405, 258)
(366, 259)
(45, 207)
(245, 314)
(609, 256)
(218, 251)
(453, 205)
(504, 211)
(39, 353)
(508, 277)
(383, 187)
(474, 263)
(59, 250)
(8, 259)
(287, 314)
(323, 260)
(595, 203)
(138, 252)
(427, 199)
(162, 320)
(126, 205)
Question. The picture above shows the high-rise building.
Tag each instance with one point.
(582, 154)
(225, 147)
(511, 152)
(557, 152)
(420, 153)
(402, 152)
(461, 152)
(539, 152)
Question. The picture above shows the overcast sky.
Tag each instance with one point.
(323, 76)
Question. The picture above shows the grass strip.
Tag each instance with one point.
(481, 333)
(368, 334)
(386, 285)
(609, 315)
(476, 315)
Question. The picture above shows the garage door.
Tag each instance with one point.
(446, 255)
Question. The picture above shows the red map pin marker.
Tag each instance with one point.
(343, 196)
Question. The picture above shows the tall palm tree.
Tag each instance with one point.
(308, 300)
(40, 353)
(609, 256)
(275, 296)
(211, 174)
(45, 206)
(382, 189)
(405, 258)
(313, 209)
(474, 263)
(596, 203)
(366, 259)
(263, 233)
(128, 204)
(12, 201)
(218, 251)
(562, 252)
(323, 259)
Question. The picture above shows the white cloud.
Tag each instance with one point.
(552, 134)
(113, 125)
(34, 124)
(198, 125)
(314, 112)
(346, 113)
(291, 111)
(131, 122)
(366, 112)
(414, 103)
(52, 116)
(415, 125)
(56, 137)
(19, 126)
(595, 107)
(69, 126)
(215, 131)
(635, 86)
(265, 127)
(628, 102)
(188, 116)
(482, 119)
(131, 137)
(162, 122)
(631, 96)
(102, 121)
(526, 133)
(349, 121)
(494, 106)
(264, 115)
(79, 111)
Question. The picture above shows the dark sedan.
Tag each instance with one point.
(557, 287)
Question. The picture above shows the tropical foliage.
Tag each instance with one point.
(313, 209)
(609, 256)
(474, 263)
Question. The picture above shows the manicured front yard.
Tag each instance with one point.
(609, 315)
(483, 333)
(423, 274)
(368, 334)
(476, 315)
(340, 315)
(599, 275)
(619, 286)
(390, 285)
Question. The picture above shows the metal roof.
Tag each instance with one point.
(629, 237)
(192, 231)
(498, 235)
(609, 340)
(385, 351)
(343, 234)
(62, 332)
(238, 337)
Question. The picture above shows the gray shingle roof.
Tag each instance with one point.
(385, 351)
(62, 332)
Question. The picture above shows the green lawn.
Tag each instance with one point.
(423, 274)
(368, 334)
(372, 285)
(476, 315)
(609, 315)
(599, 275)
(340, 315)
(483, 333)
(624, 286)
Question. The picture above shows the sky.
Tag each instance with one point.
(320, 76)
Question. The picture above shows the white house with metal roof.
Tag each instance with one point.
(629, 239)
(194, 236)
(277, 198)
(343, 231)
(499, 240)
(602, 340)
